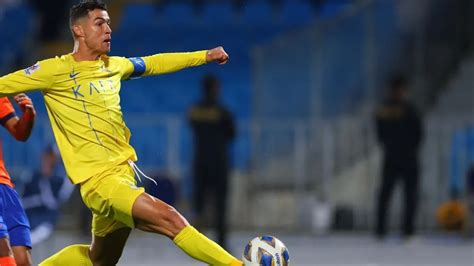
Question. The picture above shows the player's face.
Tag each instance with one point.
(97, 31)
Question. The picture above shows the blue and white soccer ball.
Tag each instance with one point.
(266, 251)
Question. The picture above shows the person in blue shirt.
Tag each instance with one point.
(44, 194)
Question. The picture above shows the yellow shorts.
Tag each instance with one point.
(110, 196)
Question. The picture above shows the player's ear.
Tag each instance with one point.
(78, 30)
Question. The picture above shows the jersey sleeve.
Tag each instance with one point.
(36, 77)
(6, 110)
(137, 67)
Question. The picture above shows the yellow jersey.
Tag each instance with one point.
(83, 104)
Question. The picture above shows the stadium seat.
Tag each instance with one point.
(296, 12)
(15, 19)
(257, 13)
(218, 14)
(178, 14)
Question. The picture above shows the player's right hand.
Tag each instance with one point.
(218, 55)
(25, 103)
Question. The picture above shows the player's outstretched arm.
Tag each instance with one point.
(172, 62)
(21, 128)
(36, 77)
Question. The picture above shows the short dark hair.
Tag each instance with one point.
(82, 9)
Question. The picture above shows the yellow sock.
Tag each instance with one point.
(203, 249)
(75, 255)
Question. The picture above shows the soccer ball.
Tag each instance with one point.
(266, 251)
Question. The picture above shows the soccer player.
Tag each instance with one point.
(15, 242)
(81, 93)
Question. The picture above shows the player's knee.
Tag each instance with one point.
(153, 215)
(170, 221)
(177, 219)
(174, 219)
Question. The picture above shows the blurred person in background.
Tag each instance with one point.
(15, 241)
(213, 129)
(399, 133)
(52, 15)
(81, 92)
(44, 194)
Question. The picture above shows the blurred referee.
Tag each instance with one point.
(399, 132)
(213, 130)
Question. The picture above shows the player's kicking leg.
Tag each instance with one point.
(117, 205)
(153, 215)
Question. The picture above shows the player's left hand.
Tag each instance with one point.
(25, 103)
(217, 55)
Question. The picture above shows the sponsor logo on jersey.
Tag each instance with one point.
(32, 69)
